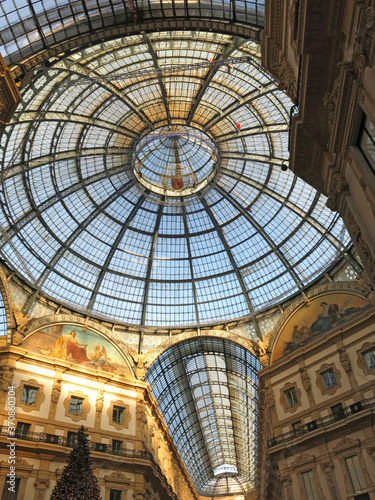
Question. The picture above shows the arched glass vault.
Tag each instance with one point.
(142, 182)
(206, 389)
(30, 26)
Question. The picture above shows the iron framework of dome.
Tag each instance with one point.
(88, 217)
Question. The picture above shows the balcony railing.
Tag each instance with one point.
(322, 422)
(41, 437)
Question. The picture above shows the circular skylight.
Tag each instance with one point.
(175, 161)
(144, 181)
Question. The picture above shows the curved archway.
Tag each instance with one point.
(206, 389)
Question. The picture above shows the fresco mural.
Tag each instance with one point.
(324, 313)
(71, 343)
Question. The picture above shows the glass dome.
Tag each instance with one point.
(145, 180)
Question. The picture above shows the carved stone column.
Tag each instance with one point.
(99, 404)
(347, 365)
(330, 478)
(41, 485)
(361, 244)
(286, 482)
(55, 396)
(306, 382)
(9, 94)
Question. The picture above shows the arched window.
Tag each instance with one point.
(3, 319)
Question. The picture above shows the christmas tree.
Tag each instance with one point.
(78, 481)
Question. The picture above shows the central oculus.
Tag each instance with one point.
(175, 160)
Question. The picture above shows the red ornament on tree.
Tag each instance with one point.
(238, 125)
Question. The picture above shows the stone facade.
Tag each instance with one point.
(135, 456)
(323, 432)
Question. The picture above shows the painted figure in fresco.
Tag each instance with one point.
(321, 324)
(100, 355)
(69, 348)
(329, 315)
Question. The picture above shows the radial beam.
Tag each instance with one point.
(210, 75)
(150, 262)
(305, 216)
(159, 77)
(186, 232)
(79, 230)
(250, 96)
(228, 251)
(264, 235)
(38, 209)
(111, 253)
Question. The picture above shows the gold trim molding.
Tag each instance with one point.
(127, 415)
(320, 381)
(40, 397)
(86, 407)
(283, 400)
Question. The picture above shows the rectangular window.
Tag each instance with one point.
(71, 439)
(311, 491)
(338, 411)
(28, 396)
(329, 378)
(291, 397)
(118, 415)
(369, 359)
(22, 429)
(366, 142)
(116, 446)
(75, 406)
(355, 473)
(11, 495)
(115, 494)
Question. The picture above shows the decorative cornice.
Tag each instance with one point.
(345, 443)
(302, 459)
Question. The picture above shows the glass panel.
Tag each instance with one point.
(370, 358)
(291, 397)
(367, 142)
(118, 415)
(28, 395)
(309, 484)
(329, 379)
(356, 475)
(75, 406)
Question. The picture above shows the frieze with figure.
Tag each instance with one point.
(76, 345)
(309, 322)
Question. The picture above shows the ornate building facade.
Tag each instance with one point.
(88, 327)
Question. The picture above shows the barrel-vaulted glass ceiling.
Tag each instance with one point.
(142, 181)
(29, 26)
(206, 389)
